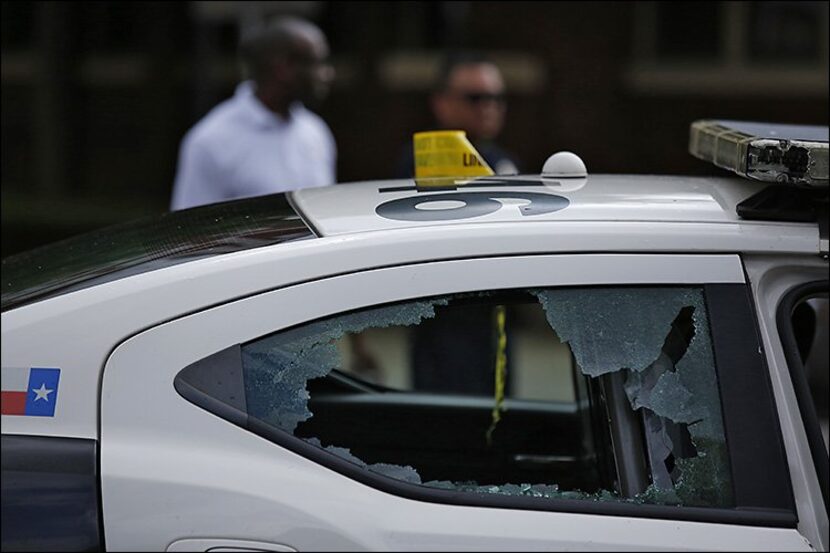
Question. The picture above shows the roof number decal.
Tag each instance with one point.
(476, 204)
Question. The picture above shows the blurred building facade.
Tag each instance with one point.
(96, 96)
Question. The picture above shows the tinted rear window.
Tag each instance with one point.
(148, 244)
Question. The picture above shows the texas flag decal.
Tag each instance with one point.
(30, 392)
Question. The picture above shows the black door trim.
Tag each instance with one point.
(799, 378)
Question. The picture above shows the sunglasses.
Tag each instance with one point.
(481, 97)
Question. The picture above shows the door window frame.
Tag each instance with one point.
(798, 375)
(730, 312)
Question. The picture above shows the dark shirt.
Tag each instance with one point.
(454, 352)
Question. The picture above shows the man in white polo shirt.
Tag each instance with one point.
(263, 140)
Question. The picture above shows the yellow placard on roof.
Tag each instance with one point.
(447, 154)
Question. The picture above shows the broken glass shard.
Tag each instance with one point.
(278, 367)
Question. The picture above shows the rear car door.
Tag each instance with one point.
(528, 402)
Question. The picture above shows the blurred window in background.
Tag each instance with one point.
(688, 31)
(730, 48)
(788, 32)
(17, 25)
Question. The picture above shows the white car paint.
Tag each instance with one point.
(350, 208)
(167, 465)
(771, 278)
(172, 471)
(76, 331)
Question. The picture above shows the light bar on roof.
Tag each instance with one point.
(795, 154)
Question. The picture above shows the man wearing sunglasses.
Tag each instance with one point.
(469, 96)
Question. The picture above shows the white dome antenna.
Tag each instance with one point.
(564, 165)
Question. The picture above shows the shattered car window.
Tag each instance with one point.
(659, 339)
(282, 365)
(454, 420)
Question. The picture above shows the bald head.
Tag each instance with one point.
(287, 59)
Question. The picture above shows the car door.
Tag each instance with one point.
(243, 423)
(791, 301)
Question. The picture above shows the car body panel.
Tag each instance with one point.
(355, 207)
(204, 477)
(168, 467)
(76, 332)
(771, 278)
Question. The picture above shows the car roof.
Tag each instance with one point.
(686, 207)
(366, 206)
(147, 244)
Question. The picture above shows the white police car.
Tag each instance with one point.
(537, 362)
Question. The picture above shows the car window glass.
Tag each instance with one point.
(614, 398)
(431, 356)
(148, 244)
(810, 327)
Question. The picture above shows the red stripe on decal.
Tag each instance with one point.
(13, 403)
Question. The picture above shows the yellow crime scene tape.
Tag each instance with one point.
(446, 158)
(501, 372)
(443, 154)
